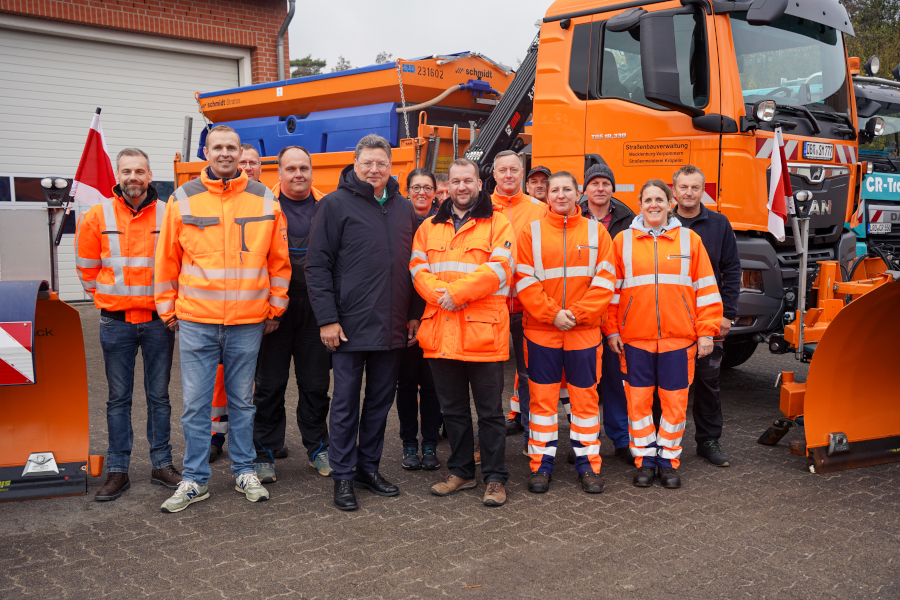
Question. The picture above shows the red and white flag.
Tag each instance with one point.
(781, 196)
(95, 178)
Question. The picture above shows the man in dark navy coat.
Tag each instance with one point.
(357, 274)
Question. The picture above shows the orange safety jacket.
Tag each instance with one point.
(565, 262)
(665, 285)
(222, 256)
(521, 210)
(475, 265)
(114, 249)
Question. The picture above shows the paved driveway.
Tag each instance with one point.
(763, 528)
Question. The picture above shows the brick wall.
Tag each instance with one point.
(249, 24)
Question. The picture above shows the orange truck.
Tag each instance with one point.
(650, 86)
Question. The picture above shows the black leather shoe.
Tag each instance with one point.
(643, 477)
(712, 451)
(411, 460)
(669, 478)
(430, 461)
(591, 483)
(539, 483)
(513, 426)
(214, 452)
(624, 455)
(344, 496)
(570, 457)
(376, 484)
(283, 453)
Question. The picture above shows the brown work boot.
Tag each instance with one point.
(452, 484)
(591, 483)
(495, 494)
(116, 483)
(166, 476)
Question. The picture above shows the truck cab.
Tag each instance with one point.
(879, 205)
(649, 88)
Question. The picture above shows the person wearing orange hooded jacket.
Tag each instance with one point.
(221, 278)
(665, 311)
(461, 265)
(521, 209)
(565, 280)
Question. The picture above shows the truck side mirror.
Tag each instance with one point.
(765, 12)
(625, 20)
(659, 67)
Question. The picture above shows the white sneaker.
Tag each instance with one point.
(249, 485)
(187, 493)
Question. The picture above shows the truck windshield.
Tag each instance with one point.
(888, 143)
(793, 62)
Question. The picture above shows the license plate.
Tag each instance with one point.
(818, 151)
(879, 227)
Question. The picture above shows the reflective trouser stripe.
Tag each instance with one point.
(643, 441)
(220, 426)
(546, 450)
(586, 450)
(514, 404)
(643, 451)
(542, 420)
(544, 436)
(218, 411)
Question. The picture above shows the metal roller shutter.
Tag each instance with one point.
(53, 84)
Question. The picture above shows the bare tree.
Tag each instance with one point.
(383, 57)
(342, 65)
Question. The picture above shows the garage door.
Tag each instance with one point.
(51, 87)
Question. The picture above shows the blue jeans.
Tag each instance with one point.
(201, 345)
(120, 341)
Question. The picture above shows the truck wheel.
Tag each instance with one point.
(737, 353)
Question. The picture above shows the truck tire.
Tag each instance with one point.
(738, 352)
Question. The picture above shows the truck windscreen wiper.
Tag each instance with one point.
(838, 116)
(802, 110)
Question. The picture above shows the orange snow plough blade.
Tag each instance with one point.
(852, 404)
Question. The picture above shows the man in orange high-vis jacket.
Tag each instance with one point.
(565, 279)
(114, 248)
(520, 209)
(249, 164)
(222, 273)
(461, 265)
(666, 310)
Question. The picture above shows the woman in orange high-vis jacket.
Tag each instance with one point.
(666, 310)
(565, 280)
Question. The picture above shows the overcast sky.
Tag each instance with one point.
(359, 30)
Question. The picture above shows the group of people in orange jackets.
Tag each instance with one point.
(545, 273)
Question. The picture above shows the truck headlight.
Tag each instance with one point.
(765, 110)
(751, 281)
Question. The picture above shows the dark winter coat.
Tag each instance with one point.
(718, 239)
(357, 265)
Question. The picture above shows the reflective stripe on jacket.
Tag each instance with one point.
(222, 256)
(520, 210)
(114, 249)
(474, 265)
(665, 286)
(565, 262)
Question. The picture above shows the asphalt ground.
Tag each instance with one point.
(763, 528)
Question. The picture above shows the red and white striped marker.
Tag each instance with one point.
(16, 359)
